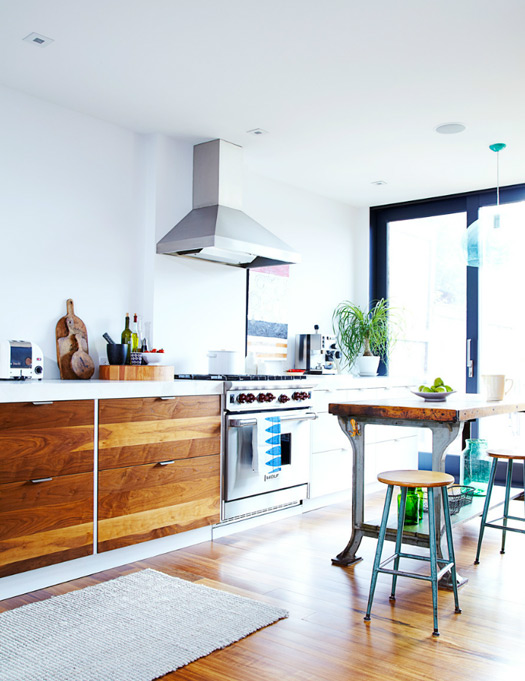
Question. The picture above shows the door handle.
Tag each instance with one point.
(239, 423)
(36, 480)
(470, 361)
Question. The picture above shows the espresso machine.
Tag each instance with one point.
(316, 353)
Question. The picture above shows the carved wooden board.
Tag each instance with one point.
(71, 337)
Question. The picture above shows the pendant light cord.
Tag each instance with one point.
(497, 179)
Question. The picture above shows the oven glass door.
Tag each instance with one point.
(249, 470)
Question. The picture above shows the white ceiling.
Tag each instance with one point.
(350, 91)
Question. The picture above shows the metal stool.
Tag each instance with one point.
(406, 479)
(510, 457)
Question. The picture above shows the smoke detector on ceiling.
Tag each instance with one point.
(450, 128)
(38, 39)
(257, 131)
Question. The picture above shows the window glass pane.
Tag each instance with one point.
(502, 322)
(427, 282)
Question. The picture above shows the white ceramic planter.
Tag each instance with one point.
(367, 365)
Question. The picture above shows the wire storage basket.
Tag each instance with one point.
(458, 496)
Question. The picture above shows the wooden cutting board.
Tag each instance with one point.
(121, 372)
(71, 337)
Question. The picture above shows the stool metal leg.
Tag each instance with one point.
(486, 508)
(506, 505)
(379, 550)
(399, 538)
(433, 557)
(450, 546)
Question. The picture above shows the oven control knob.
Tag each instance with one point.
(241, 398)
(283, 398)
(270, 397)
(306, 396)
(298, 396)
(250, 397)
(261, 397)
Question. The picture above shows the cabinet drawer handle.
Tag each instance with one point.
(43, 402)
(41, 480)
(168, 398)
(166, 463)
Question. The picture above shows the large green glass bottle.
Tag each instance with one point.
(476, 462)
(412, 507)
(421, 496)
(126, 338)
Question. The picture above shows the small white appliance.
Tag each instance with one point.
(20, 360)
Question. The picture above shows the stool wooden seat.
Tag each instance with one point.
(510, 456)
(406, 479)
(412, 478)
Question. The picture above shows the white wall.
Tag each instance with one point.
(324, 233)
(82, 205)
(68, 222)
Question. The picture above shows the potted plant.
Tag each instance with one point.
(365, 336)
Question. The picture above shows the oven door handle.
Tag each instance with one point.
(239, 423)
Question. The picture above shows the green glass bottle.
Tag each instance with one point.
(135, 344)
(126, 338)
(421, 496)
(476, 462)
(412, 507)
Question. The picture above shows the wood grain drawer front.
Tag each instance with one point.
(148, 430)
(140, 503)
(45, 440)
(46, 522)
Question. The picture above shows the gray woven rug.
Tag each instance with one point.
(133, 628)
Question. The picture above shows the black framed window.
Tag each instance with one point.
(395, 225)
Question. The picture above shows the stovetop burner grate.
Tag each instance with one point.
(241, 377)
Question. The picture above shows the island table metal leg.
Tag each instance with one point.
(356, 435)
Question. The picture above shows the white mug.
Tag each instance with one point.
(496, 386)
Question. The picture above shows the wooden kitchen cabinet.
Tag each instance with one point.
(159, 467)
(46, 483)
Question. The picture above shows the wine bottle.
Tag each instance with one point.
(126, 338)
(135, 344)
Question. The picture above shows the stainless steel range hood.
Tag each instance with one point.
(217, 229)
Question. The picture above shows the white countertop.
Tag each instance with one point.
(55, 390)
(40, 391)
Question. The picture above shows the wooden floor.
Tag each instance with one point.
(287, 563)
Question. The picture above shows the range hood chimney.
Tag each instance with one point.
(217, 229)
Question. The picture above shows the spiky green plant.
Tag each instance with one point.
(371, 332)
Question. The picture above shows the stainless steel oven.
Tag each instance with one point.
(266, 447)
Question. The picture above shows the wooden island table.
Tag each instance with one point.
(445, 420)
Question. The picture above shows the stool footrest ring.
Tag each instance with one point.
(503, 527)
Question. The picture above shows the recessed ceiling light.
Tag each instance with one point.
(257, 131)
(379, 182)
(450, 128)
(38, 39)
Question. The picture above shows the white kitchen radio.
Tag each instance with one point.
(20, 360)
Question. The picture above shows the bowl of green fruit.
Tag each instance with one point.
(437, 392)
